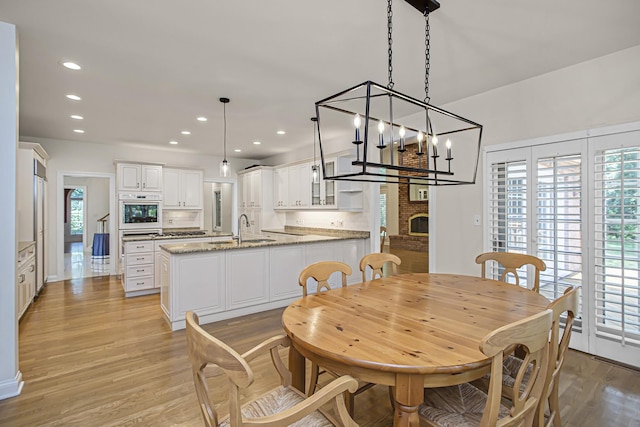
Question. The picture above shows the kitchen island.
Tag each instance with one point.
(141, 257)
(222, 280)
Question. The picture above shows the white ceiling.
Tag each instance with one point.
(150, 67)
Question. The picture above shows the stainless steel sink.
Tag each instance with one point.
(258, 240)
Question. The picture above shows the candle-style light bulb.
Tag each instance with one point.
(357, 121)
(420, 137)
(381, 131)
(434, 141)
(402, 132)
(448, 145)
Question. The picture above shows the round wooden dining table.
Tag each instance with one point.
(410, 331)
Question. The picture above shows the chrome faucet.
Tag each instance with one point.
(246, 223)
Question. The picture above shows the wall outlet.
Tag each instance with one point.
(340, 223)
(476, 220)
(170, 221)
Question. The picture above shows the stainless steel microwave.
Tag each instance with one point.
(140, 211)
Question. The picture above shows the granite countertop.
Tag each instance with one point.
(257, 240)
(140, 237)
(25, 245)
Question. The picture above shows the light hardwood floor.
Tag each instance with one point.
(90, 357)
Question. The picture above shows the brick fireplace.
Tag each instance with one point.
(411, 211)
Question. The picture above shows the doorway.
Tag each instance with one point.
(84, 200)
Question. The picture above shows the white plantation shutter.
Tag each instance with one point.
(559, 223)
(617, 244)
(507, 219)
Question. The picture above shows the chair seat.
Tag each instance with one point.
(275, 401)
(510, 368)
(460, 405)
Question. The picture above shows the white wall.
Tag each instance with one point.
(595, 93)
(88, 158)
(10, 376)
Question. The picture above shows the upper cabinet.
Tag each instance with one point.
(293, 188)
(255, 193)
(323, 194)
(182, 188)
(139, 177)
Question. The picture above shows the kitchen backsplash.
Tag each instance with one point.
(182, 219)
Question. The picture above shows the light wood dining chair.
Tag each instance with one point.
(280, 407)
(383, 236)
(511, 262)
(566, 305)
(321, 272)
(468, 405)
(375, 261)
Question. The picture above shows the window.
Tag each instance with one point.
(76, 202)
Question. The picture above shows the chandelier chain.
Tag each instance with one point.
(427, 55)
(390, 40)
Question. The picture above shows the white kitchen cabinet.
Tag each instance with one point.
(157, 252)
(286, 263)
(323, 194)
(300, 185)
(338, 195)
(205, 274)
(292, 186)
(182, 188)
(281, 188)
(252, 188)
(25, 279)
(139, 177)
(247, 277)
(139, 268)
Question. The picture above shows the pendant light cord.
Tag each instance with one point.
(224, 112)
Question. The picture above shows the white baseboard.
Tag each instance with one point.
(12, 387)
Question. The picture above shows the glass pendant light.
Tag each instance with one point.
(315, 170)
(225, 169)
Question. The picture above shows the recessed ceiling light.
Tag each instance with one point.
(71, 65)
(202, 119)
(76, 117)
(257, 142)
(185, 132)
(173, 142)
(78, 131)
(281, 132)
(237, 150)
(74, 97)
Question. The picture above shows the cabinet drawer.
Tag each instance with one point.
(140, 270)
(140, 258)
(138, 283)
(135, 247)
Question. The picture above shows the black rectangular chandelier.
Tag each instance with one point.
(396, 138)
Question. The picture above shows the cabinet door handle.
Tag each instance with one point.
(139, 271)
(22, 277)
(32, 268)
(139, 259)
(144, 185)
